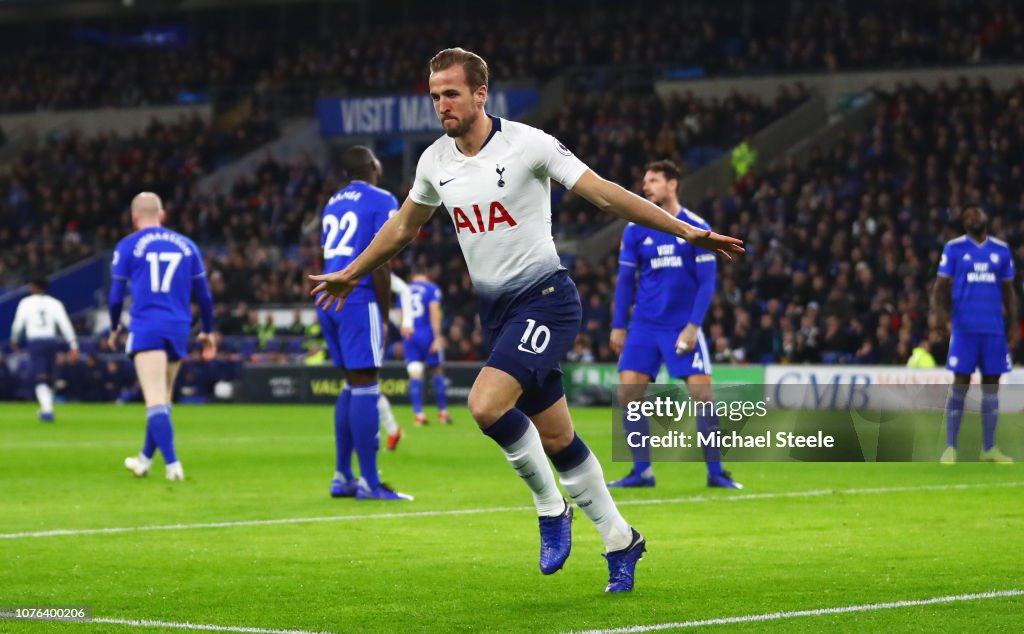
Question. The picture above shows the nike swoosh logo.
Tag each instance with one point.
(443, 183)
(522, 349)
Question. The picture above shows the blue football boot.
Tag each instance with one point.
(622, 564)
(633, 480)
(555, 540)
(344, 488)
(382, 492)
(723, 481)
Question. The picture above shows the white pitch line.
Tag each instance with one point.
(114, 444)
(196, 626)
(503, 509)
(775, 616)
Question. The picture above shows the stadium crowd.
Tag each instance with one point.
(842, 245)
(618, 135)
(54, 67)
(66, 200)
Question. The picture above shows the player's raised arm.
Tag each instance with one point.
(392, 238)
(607, 196)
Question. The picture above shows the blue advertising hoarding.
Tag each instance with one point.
(404, 114)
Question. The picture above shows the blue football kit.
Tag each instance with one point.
(165, 272)
(355, 334)
(671, 283)
(979, 330)
(417, 347)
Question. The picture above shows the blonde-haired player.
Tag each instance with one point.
(166, 272)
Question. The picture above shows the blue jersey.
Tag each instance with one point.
(676, 280)
(978, 272)
(423, 295)
(351, 219)
(160, 265)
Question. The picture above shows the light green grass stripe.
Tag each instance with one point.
(503, 509)
(775, 616)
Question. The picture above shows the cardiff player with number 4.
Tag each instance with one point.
(494, 178)
(669, 284)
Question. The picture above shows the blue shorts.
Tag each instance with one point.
(417, 349)
(354, 335)
(42, 358)
(969, 351)
(538, 330)
(173, 342)
(647, 348)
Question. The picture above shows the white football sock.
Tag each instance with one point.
(387, 417)
(585, 485)
(527, 457)
(45, 397)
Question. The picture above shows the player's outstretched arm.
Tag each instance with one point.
(608, 196)
(396, 233)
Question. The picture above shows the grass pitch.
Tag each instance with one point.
(463, 556)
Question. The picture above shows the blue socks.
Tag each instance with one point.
(343, 434)
(989, 418)
(159, 429)
(416, 395)
(641, 455)
(954, 413)
(439, 393)
(149, 447)
(364, 421)
(712, 455)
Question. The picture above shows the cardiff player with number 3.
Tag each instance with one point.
(494, 177)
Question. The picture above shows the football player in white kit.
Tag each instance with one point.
(494, 177)
(41, 318)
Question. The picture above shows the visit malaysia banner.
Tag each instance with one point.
(404, 114)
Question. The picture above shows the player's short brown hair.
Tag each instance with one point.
(473, 64)
(667, 168)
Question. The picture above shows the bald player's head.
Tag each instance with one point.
(361, 164)
(147, 210)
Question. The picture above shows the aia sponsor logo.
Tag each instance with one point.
(476, 220)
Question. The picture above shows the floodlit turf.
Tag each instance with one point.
(708, 558)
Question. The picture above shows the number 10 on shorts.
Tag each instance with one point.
(536, 338)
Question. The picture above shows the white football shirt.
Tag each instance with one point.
(500, 202)
(41, 317)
